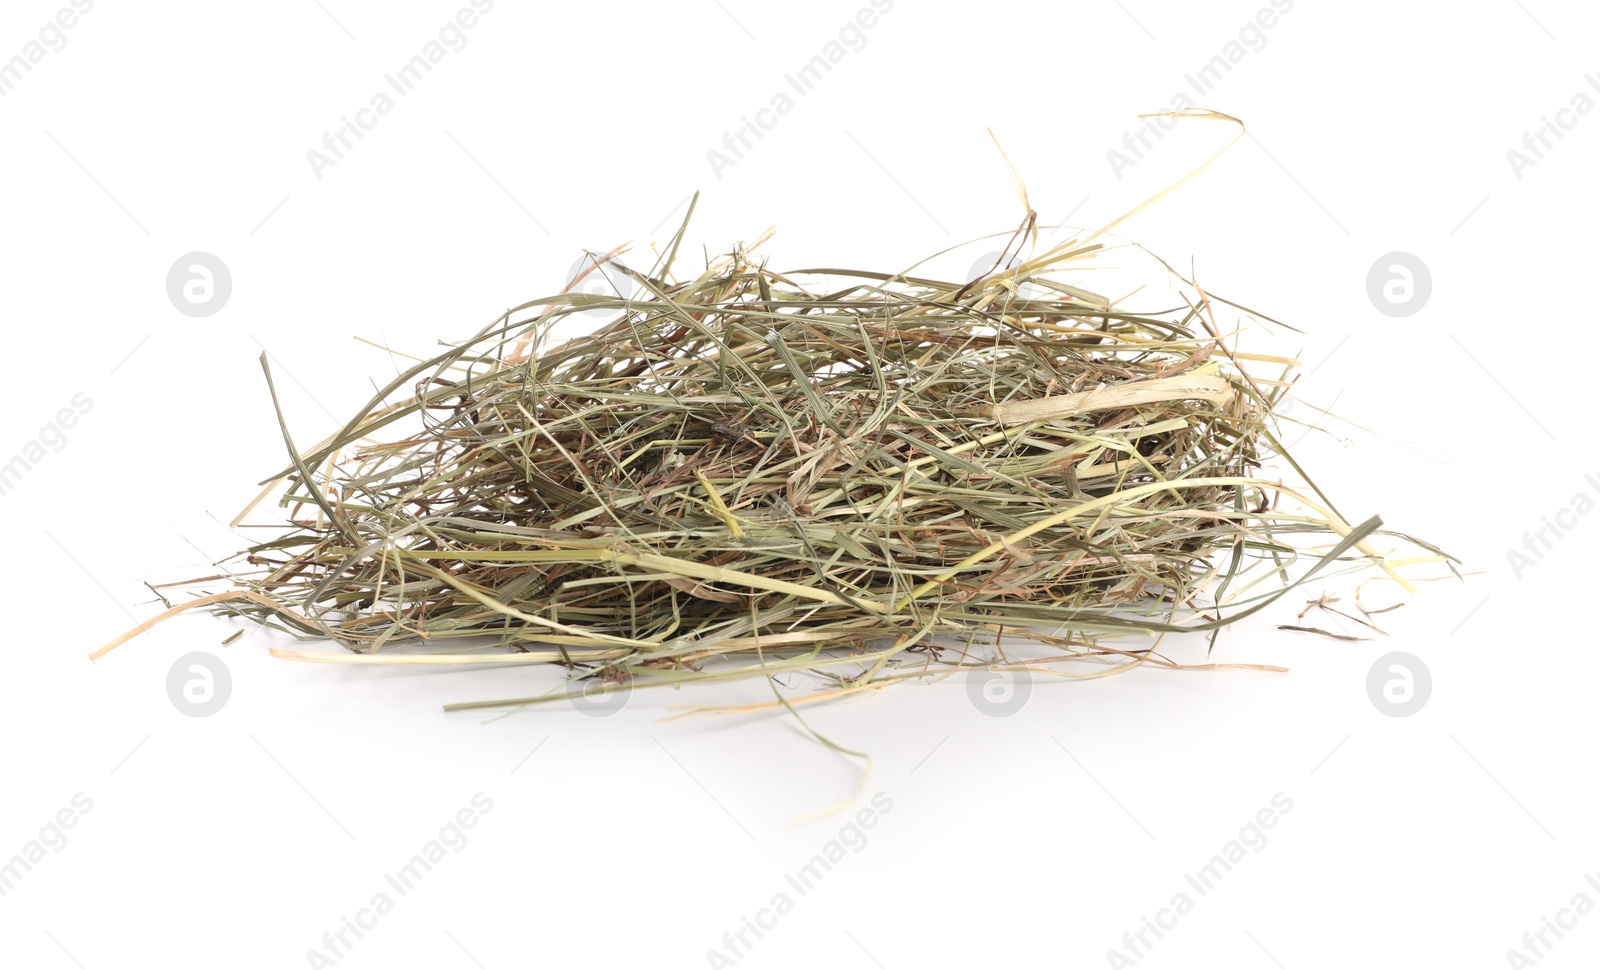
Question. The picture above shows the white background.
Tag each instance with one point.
(1038, 839)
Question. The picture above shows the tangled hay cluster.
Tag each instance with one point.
(752, 472)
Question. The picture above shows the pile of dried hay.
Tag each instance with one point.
(751, 472)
